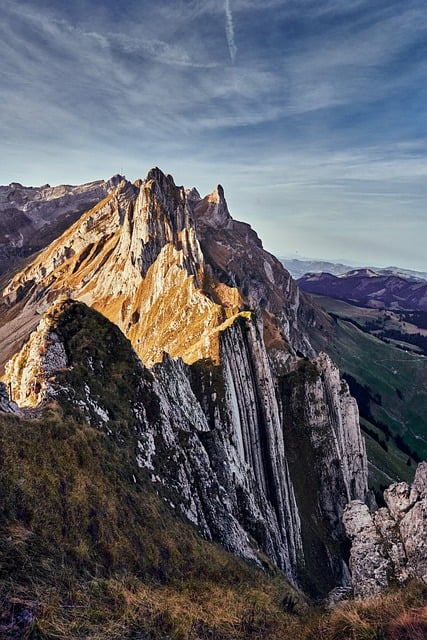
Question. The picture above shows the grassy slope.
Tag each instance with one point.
(88, 549)
(400, 379)
(88, 553)
(93, 552)
(87, 546)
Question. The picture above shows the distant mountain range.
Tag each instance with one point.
(369, 288)
(298, 268)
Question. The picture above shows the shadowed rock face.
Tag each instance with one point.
(389, 545)
(255, 443)
(32, 217)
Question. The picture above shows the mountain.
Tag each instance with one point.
(31, 217)
(160, 323)
(379, 341)
(369, 288)
(400, 271)
(298, 268)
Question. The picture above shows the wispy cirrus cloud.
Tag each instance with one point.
(320, 116)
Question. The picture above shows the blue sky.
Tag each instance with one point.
(310, 113)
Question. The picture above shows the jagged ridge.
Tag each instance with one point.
(31, 217)
(168, 268)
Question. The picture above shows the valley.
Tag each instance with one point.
(389, 380)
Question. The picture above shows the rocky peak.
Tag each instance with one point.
(136, 257)
(161, 217)
(236, 402)
(212, 210)
(162, 195)
(192, 195)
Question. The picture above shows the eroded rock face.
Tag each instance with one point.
(31, 217)
(253, 437)
(369, 563)
(327, 463)
(389, 545)
(215, 437)
(29, 371)
(6, 404)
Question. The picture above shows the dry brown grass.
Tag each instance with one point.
(400, 614)
(87, 553)
(197, 610)
(121, 608)
(409, 625)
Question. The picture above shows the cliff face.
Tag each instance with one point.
(389, 545)
(253, 442)
(31, 217)
(327, 461)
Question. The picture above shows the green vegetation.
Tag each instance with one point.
(390, 385)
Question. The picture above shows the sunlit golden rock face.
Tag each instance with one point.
(32, 217)
(136, 258)
(168, 267)
(232, 408)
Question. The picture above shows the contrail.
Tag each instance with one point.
(229, 30)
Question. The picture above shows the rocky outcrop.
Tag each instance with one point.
(234, 256)
(321, 433)
(216, 438)
(6, 404)
(240, 425)
(32, 217)
(389, 545)
(29, 371)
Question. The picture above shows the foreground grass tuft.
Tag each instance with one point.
(400, 614)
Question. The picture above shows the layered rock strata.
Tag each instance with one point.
(241, 427)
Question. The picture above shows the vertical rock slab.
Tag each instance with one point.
(327, 462)
(369, 563)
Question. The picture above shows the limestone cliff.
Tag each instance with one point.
(214, 437)
(242, 428)
(389, 545)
